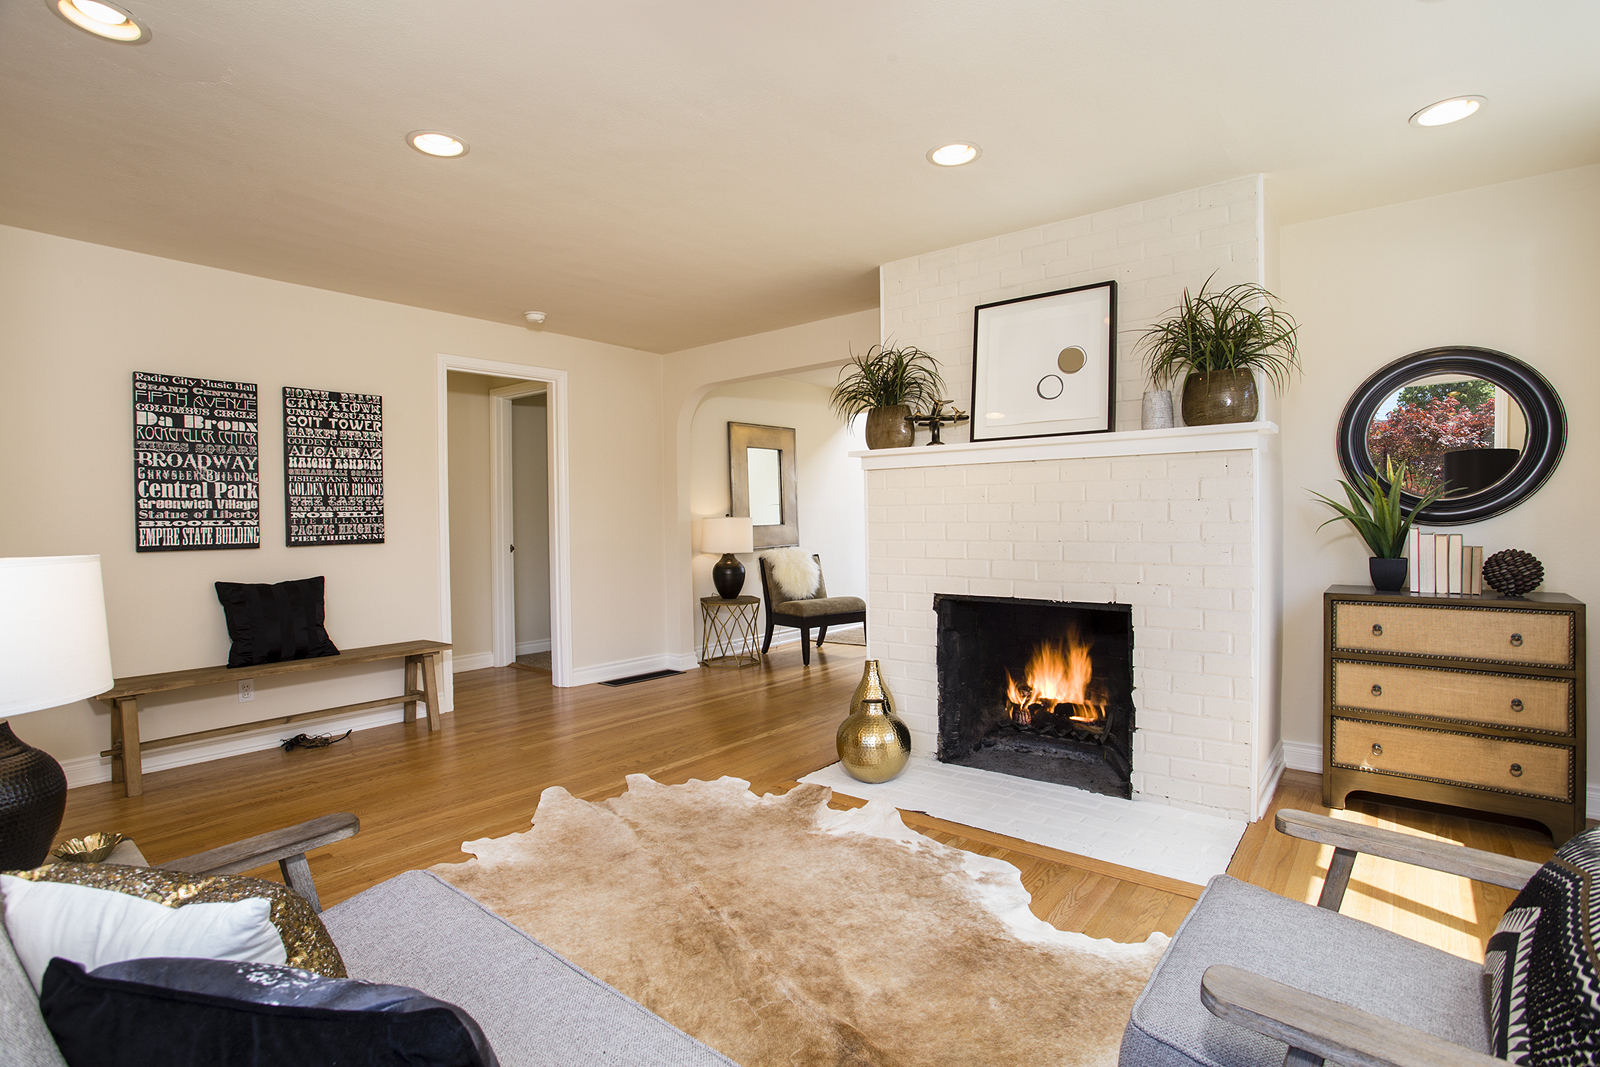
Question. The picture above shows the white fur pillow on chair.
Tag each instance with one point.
(796, 573)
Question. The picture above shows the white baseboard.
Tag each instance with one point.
(90, 770)
(1302, 756)
(528, 648)
(1271, 771)
(605, 672)
(476, 661)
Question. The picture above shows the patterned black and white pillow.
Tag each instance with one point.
(1541, 970)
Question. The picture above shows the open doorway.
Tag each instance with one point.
(520, 513)
(478, 475)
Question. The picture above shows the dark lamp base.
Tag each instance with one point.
(728, 576)
(33, 797)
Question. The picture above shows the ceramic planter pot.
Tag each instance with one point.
(1388, 575)
(888, 428)
(1220, 396)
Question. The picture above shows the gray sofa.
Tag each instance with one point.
(538, 1009)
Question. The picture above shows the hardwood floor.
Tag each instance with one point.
(419, 795)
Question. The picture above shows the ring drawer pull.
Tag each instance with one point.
(1516, 705)
(1377, 630)
(1516, 770)
(1377, 750)
(1377, 690)
(1516, 640)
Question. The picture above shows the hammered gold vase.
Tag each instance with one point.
(873, 744)
(872, 687)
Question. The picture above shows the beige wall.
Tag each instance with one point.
(531, 518)
(832, 497)
(1512, 267)
(77, 319)
(688, 376)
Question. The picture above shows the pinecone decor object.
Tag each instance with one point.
(1512, 572)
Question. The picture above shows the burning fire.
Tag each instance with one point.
(1057, 680)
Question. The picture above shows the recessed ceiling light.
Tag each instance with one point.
(102, 20)
(433, 143)
(1452, 110)
(953, 155)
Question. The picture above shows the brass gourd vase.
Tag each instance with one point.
(873, 744)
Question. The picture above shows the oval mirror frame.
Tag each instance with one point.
(1546, 420)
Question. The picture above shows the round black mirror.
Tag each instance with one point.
(1484, 423)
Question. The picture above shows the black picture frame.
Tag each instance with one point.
(1022, 351)
(196, 464)
(1541, 408)
(333, 468)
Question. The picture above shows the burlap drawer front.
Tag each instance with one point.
(1462, 759)
(1499, 699)
(1534, 638)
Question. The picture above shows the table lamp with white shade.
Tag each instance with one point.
(54, 650)
(727, 535)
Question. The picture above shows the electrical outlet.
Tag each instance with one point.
(247, 690)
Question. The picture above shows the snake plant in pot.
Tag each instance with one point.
(1376, 513)
(1215, 340)
(889, 384)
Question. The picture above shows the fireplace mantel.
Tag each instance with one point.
(1098, 445)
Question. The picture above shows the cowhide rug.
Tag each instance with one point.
(785, 933)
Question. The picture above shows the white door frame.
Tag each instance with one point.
(555, 382)
(503, 570)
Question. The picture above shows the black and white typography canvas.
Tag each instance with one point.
(196, 464)
(333, 467)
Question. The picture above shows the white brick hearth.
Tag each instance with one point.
(1180, 524)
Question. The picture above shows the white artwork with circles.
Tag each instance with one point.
(1043, 366)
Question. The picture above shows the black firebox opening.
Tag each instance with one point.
(1013, 696)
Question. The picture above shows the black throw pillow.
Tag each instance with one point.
(271, 623)
(1541, 970)
(222, 1013)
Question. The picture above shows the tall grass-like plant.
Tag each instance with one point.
(884, 377)
(1236, 328)
(1375, 510)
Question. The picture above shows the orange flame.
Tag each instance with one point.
(1057, 679)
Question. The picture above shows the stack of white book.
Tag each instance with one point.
(1440, 563)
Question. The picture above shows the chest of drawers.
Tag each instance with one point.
(1475, 702)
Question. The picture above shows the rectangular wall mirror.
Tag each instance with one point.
(764, 482)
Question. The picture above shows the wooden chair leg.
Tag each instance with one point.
(822, 633)
(297, 876)
(766, 642)
(805, 645)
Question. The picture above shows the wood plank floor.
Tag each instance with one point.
(514, 735)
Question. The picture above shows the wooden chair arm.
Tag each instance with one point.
(1348, 839)
(288, 846)
(1315, 1026)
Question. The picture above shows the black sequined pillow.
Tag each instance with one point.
(273, 623)
(1541, 975)
(306, 942)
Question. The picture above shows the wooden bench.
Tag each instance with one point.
(422, 658)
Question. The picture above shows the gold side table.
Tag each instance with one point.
(728, 636)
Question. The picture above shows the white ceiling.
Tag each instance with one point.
(663, 175)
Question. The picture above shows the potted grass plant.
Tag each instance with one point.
(1376, 513)
(1215, 340)
(888, 383)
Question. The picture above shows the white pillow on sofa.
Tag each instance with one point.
(93, 927)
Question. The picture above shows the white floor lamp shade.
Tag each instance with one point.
(54, 650)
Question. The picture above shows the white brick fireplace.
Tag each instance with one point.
(1180, 524)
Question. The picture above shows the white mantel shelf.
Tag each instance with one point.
(1227, 438)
